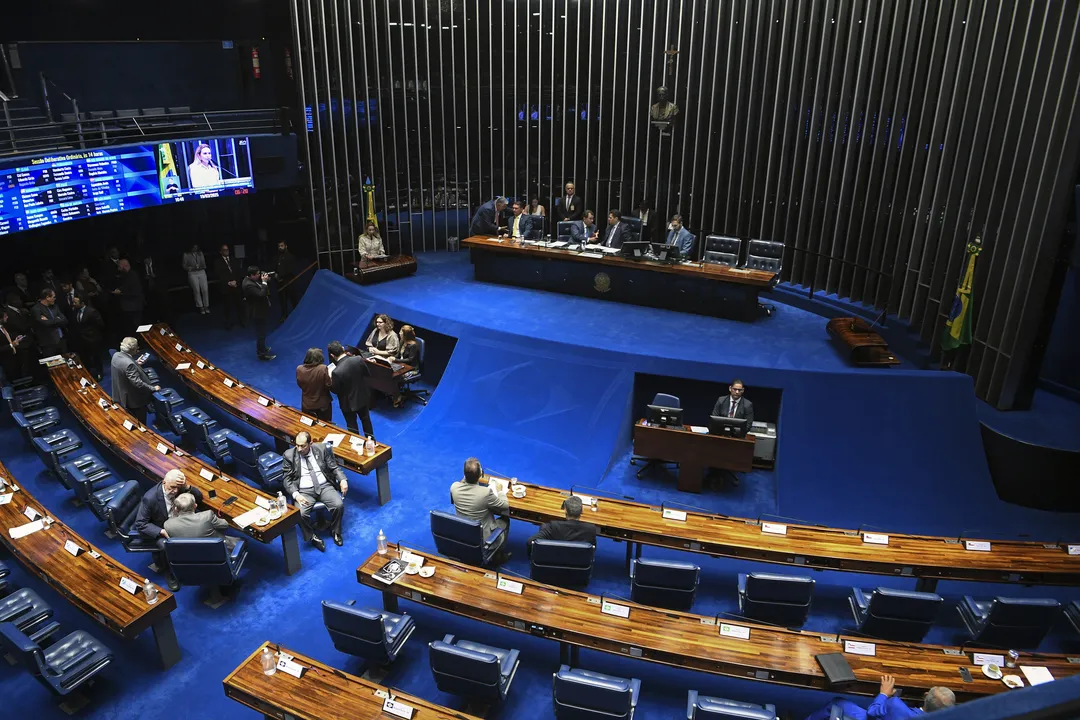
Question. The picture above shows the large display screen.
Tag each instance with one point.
(190, 169)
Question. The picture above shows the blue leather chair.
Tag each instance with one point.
(414, 376)
(63, 666)
(1072, 612)
(86, 467)
(722, 250)
(54, 448)
(36, 422)
(374, 635)
(205, 562)
(581, 694)
(3, 579)
(901, 615)
(1008, 622)
(634, 224)
(563, 231)
(472, 670)
(29, 614)
(702, 707)
(166, 403)
(562, 563)
(24, 399)
(100, 499)
(664, 583)
(209, 438)
(253, 460)
(120, 513)
(463, 539)
(774, 598)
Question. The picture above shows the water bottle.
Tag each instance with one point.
(275, 508)
(269, 662)
(382, 542)
(369, 446)
(150, 592)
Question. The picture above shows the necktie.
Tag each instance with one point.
(731, 413)
(517, 219)
(671, 237)
(80, 314)
(311, 472)
(610, 232)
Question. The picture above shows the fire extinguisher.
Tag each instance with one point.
(256, 70)
(288, 63)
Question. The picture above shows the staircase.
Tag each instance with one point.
(26, 130)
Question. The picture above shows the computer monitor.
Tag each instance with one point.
(664, 416)
(665, 252)
(636, 249)
(733, 427)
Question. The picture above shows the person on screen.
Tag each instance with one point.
(369, 245)
(203, 172)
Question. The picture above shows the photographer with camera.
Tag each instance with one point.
(257, 299)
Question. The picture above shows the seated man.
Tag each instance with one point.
(313, 475)
(476, 502)
(486, 219)
(887, 706)
(680, 237)
(734, 405)
(571, 529)
(186, 523)
(521, 226)
(155, 509)
(584, 231)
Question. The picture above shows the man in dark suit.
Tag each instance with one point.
(584, 230)
(228, 274)
(734, 405)
(18, 325)
(131, 386)
(21, 289)
(11, 354)
(570, 206)
(313, 475)
(571, 529)
(349, 381)
(616, 231)
(285, 271)
(130, 294)
(89, 334)
(486, 219)
(49, 282)
(65, 299)
(49, 324)
(520, 226)
(155, 509)
(257, 299)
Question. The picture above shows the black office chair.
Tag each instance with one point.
(29, 613)
(1072, 612)
(563, 563)
(722, 250)
(668, 584)
(660, 400)
(414, 376)
(901, 615)
(581, 694)
(1008, 622)
(635, 227)
(773, 598)
(767, 255)
(120, 514)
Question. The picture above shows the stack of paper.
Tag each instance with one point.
(24, 530)
(242, 521)
(334, 439)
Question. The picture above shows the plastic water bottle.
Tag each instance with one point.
(269, 662)
(150, 592)
(275, 509)
(369, 446)
(382, 542)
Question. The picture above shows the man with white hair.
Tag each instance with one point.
(131, 386)
(186, 523)
(155, 509)
(887, 705)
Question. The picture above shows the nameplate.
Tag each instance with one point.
(200, 364)
(183, 366)
(511, 586)
(103, 403)
(290, 668)
(143, 328)
(609, 608)
(210, 367)
(83, 382)
(128, 425)
(72, 548)
(875, 538)
(162, 331)
(593, 600)
(380, 693)
(988, 659)
(179, 347)
(397, 709)
(735, 631)
(264, 402)
(228, 382)
(262, 502)
(31, 513)
(981, 546)
(163, 448)
(953, 652)
(6, 498)
(774, 528)
(708, 621)
(1073, 549)
(305, 420)
(129, 585)
(240, 385)
(206, 474)
(675, 515)
(859, 648)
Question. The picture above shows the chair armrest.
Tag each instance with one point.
(238, 551)
(494, 536)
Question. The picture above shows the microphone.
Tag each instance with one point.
(751, 620)
(574, 488)
(789, 519)
(664, 505)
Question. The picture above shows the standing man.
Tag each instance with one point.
(486, 219)
(194, 264)
(520, 226)
(89, 333)
(227, 273)
(21, 290)
(570, 206)
(49, 324)
(19, 324)
(616, 231)
(155, 509)
(130, 294)
(474, 501)
(313, 475)
(12, 355)
(680, 237)
(349, 381)
(157, 296)
(285, 272)
(131, 387)
(257, 299)
(65, 299)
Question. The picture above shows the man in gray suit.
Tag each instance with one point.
(131, 386)
(477, 502)
(313, 475)
(186, 523)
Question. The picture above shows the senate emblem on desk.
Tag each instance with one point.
(601, 283)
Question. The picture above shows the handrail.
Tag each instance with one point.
(46, 81)
(845, 261)
(11, 89)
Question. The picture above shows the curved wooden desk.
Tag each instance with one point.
(926, 558)
(680, 639)
(90, 583)
(139, 449)
(275, 419)
(321, 693)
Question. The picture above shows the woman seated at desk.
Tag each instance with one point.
(408, 355)
(369, 245)
(383, 341)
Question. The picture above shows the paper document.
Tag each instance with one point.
(183, 366)
(1036, 675)
(560, 244)
(334, 439)
(24, 530)
(699, 429)
(242, 521)
(593, 246)
(143, 328)
(331, 367)
(5, 498)
(592, 255)
(609, 251)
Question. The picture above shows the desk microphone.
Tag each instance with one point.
(789, 519)
(664, 505)
(752, 620)
(605, 596)
(574, 488)
(865, 526)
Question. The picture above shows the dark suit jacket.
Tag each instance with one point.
(581, 232)
(131, 386)
(48, 332)
(90, 329)
(572, 211)
(223, 274)
(619, 234)
(257, 297)
(131, 292)
(285, 266)
(568, 530)
(349, 382)
(529, 226)
(152, 511)
(322, 457)
(485, 221)
(745, 409)
(20, 323)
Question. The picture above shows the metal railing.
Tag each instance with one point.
(9, 91)
(811, 289)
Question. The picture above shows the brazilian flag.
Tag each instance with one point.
(958, 326)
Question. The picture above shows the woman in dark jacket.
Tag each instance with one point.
(408, 354)
(313, 379)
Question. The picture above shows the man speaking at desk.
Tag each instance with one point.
(678, 236)
(734, 405)
(486, 219)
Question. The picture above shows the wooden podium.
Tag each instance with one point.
(694, 452)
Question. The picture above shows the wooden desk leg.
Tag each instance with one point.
(165, 639)
(690, 477)
(382, 481)
(292, 551)
(389, 602)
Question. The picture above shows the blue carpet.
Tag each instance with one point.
(540, 386)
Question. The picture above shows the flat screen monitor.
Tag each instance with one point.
(195, 169)
(733, 427)
(664, 416)
(666, 252)
(636, 249)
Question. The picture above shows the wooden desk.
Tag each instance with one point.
(384, 378)
(372, 271)
(702, 288)
(321, 693)
(695, 452)
(90, 584)
(685, 640)
(275, 419)
(925, 558)
(139, 450)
